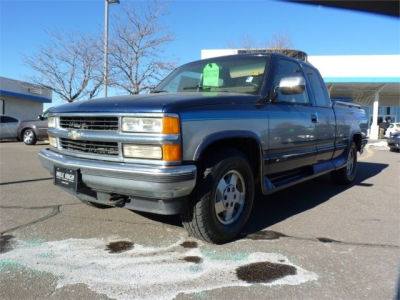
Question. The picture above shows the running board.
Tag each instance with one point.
(271, 186)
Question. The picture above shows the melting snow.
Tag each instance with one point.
(142, 272)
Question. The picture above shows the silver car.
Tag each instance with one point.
(8, 127)
(30, 131)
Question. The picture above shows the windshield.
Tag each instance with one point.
(225, 74)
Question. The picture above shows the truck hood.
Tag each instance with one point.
(163, 102)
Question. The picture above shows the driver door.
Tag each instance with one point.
(291, 124)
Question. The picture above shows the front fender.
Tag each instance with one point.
(224, 135)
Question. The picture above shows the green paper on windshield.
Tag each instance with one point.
(211, 75)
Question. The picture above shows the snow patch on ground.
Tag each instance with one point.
(380, 144)
(142, 272)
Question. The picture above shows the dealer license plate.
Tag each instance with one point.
(66, 178)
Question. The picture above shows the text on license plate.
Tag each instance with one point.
(65, 177)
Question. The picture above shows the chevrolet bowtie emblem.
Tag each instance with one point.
(74, 134)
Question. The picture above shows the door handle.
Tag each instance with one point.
(314, 118)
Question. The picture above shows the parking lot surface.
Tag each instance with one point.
(315, 240)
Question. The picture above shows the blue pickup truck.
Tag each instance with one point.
(205, 140)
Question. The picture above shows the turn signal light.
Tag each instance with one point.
(172, 152)
(171, 125)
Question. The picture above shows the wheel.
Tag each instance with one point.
(223, 198)
(29, 137)
(347, 174)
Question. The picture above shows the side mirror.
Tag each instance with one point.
(292, 85)
(40, 117)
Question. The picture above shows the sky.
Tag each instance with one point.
(200, 25)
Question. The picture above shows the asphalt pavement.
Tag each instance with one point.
(315, 240)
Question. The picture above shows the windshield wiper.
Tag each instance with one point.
(196, 87)
(158, 91)
(208, 88)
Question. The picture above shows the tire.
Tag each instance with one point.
(29, 137)
(223, 199)
(347, 174)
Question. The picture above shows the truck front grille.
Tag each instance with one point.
(101, 148)
(89, 123)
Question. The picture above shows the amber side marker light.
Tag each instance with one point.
(171, 125)
(172, 152)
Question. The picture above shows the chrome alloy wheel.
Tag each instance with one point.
(230, 197)
(28, 136)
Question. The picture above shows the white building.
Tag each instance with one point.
(22, 100)
(373, 81)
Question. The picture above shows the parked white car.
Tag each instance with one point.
(392, 128)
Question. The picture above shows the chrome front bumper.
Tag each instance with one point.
(142, 181)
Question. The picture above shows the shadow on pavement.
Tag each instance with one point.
(277, 207)
(174, 220)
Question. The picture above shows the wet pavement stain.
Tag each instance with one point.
(264, 272)
(273, 235)
(265, 235)
(119, 246)
(189, 244)
(6, 243)
(193, 259)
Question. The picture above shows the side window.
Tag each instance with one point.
(318, 88)
(9, 120)
(287, 68)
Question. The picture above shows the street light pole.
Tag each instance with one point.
(106, 3)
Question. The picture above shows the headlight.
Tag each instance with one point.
(51, 122)
(151, 125)
(53, 141)
(166, 125)
(140, 151)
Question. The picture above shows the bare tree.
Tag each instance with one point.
(277, 42)
(245, 42)
(136, 48)
(280, 42)
(70, 65)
